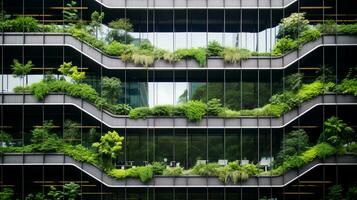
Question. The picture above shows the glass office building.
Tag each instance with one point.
(247, 87)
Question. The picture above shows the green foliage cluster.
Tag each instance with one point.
(109, 145)
(6, 193)
(292, 144)
(193, 110)
(69, 191)
(173, 171)
(71, 71)
(337, 133)
(338, 192)
(347, 86)
(234, 172)
(234, 55)
(293, 25)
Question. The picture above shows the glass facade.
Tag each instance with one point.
(239, 89)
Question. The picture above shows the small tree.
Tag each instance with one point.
(111, 89)
(120, 27)
(293, 25)
(71, 71)
(336, 132)
(109, 145)
(70, 14)
(21, 70)
(97, 19)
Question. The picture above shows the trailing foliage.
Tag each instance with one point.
(337, 133)
(234, 55)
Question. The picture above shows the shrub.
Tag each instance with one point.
(142, 59)
(115, 48)
(293, 25)
(347, 86)
(195, 110)
(163, 110)
(329, 27)
(210, 169)
(109, 145)
(6, 193)
(226, 112)
(141, 112)
(284, 45)
(294, 81)
(199, 54)
(121, 109)
(251, 169)
(214, 48)
(173, 171)
(309, 35)
(21, 24)
(214, 107)
(42, 133)
(158, 167)
(5, 137)
(347, 29)
(308, 91)
(71, 71)
(118, 173)
(143, 173)
(288, 98)
(234, 55)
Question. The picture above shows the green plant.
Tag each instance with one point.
(352, 192)
(121, 109)
(109, 145)
(284, 45)
(350, 29)
(6, 193)
(96, 20)
(234, 55)
(214, 48)
(38, 196)
(199, 54)
(335, 192)
(214, 107)
(294, 81)
(5, 137)
(42, 133)
(70, 191)
(309, 35)
(71, 71)
(70, 13)
(195, 110)
(120, 27)
(328, 26)
(111, 89)
(163, 110)
(144, 173)
(20, 24)
(71, 131)
(115, 48)
(21, 70)
(141, 112)
(336, 132)
(158, 167)
(293, 25)
(210, 169)
(347, 86)
(173, 171)
(118, 173)
(292, 144)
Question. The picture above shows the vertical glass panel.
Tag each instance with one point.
(215, 145)
(216, 193)
(197, 146)
(137, 145)
(250, 145)
(216, 85)
(181, 151)
(197, 193)
(250, 89)
(264, 87)
(216, 26)
(233, 144)
(164, 144)
(233, 89)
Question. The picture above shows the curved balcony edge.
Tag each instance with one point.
(56, 159)
(197, 4)
(115, 63)
(120, 121)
